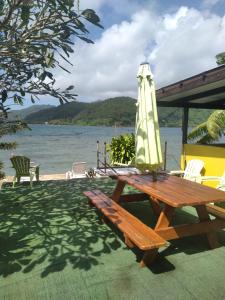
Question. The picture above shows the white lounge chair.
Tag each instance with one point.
(79, 170)
(192, 171)
(219, 179)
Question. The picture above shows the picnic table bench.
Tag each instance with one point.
(166, 195)
(135, 232)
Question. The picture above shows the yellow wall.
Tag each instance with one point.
(213, 157)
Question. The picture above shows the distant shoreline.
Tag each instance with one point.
(96, 125)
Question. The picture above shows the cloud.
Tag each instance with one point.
(177, 45)
(95, 5)
(210, 3)
(188, 46)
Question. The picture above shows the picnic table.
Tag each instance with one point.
(166, 195)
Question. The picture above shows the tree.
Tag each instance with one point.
(220, 58)
(8, 127)
(211, 130)
(35, 37)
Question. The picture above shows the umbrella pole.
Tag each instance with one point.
(165, 155)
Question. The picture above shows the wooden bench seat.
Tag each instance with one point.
(135, 232)
(216, 211)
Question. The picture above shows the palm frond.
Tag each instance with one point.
(206, 139)
(211, 130)
(216, 124)
(198, 131)
(218, 117)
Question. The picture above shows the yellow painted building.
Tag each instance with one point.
(212, 155)
(203, 91)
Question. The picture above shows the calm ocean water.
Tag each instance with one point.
(55, 148)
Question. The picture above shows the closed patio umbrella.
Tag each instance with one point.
(148, 154)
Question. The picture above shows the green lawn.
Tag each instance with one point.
(54, 246)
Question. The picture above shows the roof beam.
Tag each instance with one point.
(213, 92)
(210, 105)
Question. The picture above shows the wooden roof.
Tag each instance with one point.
(205, 90)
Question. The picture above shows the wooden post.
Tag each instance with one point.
(185, 125)
(97, 154)
(165, 155)
(105, 161)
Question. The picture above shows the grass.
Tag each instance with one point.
(54, 246)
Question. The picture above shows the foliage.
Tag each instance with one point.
(8, 127)
(220, 58)
(211, 130)
(122, 149)
(35, 36)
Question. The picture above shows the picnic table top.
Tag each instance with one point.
(174, 191)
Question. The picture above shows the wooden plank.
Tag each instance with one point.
(203, 216)
(176, 232)
(175, 191)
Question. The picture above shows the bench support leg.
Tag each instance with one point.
(165, 217)
(128, 242)
(204, 216)
(118, 190)
(148, 258)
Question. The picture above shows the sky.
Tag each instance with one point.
(178, 38)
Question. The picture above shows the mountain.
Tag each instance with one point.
(23, 113)
(119, 111)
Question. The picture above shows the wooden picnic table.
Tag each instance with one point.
(165, 195)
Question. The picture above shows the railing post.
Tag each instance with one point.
(105, 156)
(97, 154)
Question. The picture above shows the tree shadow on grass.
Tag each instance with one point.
(189, 245)
(52, 226)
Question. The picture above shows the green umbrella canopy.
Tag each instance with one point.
(148, 153)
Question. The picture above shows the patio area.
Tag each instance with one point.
(53, 245)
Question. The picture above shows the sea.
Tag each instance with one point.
(56, 147)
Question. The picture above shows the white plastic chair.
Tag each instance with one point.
(220, 179)
(79, 170)
(192, 171)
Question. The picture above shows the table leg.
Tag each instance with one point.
(118, 190)
(165, 217)
(204, 216)
(155, 206)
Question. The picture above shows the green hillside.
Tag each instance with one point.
(118, 111)
(23, 113)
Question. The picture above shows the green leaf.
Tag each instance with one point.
(22, 92)
(32, 99)
(4, 96)
(70, 88)
(91, 16)
(25, 13)
(86, 40)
